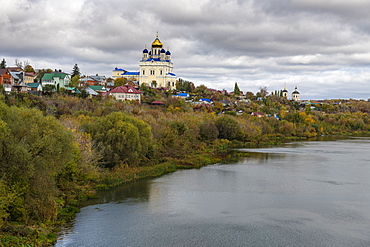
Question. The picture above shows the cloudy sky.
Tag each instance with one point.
(323, 47)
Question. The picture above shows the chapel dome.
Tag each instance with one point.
(163, 51)
(157, 43)
(168, 53)
(145, 50)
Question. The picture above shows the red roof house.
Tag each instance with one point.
(125, 93)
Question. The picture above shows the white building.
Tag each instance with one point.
(125, 93)
(155, 68)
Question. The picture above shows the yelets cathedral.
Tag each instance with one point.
(155, 68)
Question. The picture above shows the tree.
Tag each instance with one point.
(236, 89)
(29, 162)
(41, 73)
(3, 64)
(121, 138)
(20, 64)
(228, 128)
(263, 92)
(28, 68)
(201, 89)
(49, 88)
(119, 82)
(185, 86)
(208, 131)
(75, 80)
(75, 71)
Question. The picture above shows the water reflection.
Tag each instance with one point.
(137, 191)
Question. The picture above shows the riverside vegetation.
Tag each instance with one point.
(58, 150)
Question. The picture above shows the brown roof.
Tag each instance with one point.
(2, 71)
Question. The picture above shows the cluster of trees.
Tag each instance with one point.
(34, 149)
(55, 149)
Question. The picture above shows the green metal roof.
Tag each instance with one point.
(97, 88)
(50, 76)
(33, 85)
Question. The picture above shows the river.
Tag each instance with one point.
(305, 193)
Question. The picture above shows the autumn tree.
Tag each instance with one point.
(29, 162)
(122, 139)
(28, 68)
(208, 131)
(75, 80)
(228, 128)
(41, 73)
(119, 82)
(186, 86)
(262, 93)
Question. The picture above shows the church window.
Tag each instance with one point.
(143, 71)
(152, 72)
(161, 72)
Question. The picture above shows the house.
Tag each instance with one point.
(182, 95)
(93, 80)
(86, 80)
(157, 103)
(258, 114)
(29, 77)
(99, 80)
(34, 88)
(125, 93)
(17, 81)
(98, 89)
(205, 101)
(73, 90)
(91, 92)
(4, 76)
(57, 79)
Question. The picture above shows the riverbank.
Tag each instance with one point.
(16, 234)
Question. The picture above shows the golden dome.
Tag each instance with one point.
(157, 43)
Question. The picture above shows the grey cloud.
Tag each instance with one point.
(314, 44)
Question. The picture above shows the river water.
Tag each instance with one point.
(306, 193)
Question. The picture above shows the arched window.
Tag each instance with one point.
(143, 71)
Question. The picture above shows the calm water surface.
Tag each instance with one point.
(311, 193)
